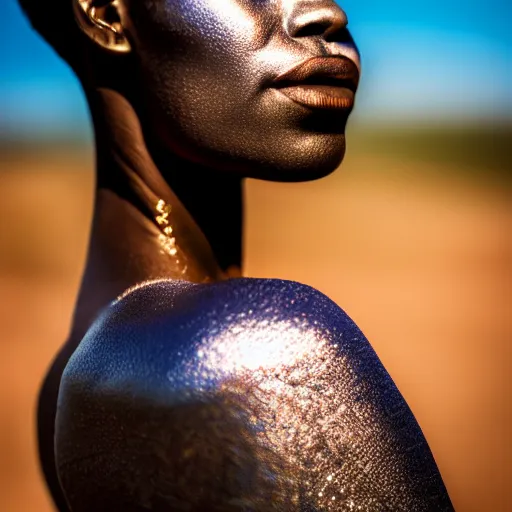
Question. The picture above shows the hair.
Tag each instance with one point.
(56, 24)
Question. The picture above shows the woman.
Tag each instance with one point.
(182, 387)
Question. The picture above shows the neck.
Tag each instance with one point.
(173, 220)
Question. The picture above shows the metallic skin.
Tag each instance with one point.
(246, 395)
(197, 392)
(207, 64)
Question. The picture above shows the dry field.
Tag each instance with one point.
(420, 260)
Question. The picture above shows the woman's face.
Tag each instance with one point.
(262, 87)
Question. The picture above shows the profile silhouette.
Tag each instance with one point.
(184, 386)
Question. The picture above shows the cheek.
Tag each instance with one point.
(212, 26)
(198, 48)
(198, 63)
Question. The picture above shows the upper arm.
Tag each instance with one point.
(244, 395)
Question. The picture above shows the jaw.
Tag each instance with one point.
(266, 136)
(311, 158)
(286, 154)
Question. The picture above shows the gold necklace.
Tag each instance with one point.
(167, 241)
(169, 246)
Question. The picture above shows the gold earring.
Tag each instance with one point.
(107, 35)
(92, 14)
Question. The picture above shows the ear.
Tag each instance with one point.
(101, 21)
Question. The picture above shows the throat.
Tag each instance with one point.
(216, 205)
(154, 217)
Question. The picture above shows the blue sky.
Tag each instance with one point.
(423, 61)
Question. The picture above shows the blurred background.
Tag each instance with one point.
(410, 236)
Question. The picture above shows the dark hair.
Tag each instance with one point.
(57, 26)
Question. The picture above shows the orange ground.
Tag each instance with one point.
(420, 264)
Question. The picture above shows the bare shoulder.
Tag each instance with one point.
(235, 299)
(243, 395)
(165, 319)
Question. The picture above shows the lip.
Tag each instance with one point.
(325, 83)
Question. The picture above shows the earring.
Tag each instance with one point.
(98, 21)
(102, 24)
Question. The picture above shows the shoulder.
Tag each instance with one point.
(163, 340)
(232, 396)
(170, 360)
(234, 302)
(267, 297)
(166, 319)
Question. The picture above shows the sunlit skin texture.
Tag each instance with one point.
(200, 392)
(208, 64)
(251, 394)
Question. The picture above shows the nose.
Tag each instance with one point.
(320, 18)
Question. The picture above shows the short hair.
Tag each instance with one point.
(55, 21)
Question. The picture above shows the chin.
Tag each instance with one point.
(312, 157)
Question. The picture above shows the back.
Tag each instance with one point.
(247, 394)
